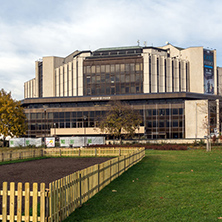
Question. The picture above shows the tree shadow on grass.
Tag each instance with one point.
(121, 197)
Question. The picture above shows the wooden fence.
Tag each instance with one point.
(82, 152)
(64, 195)
(20, 154)
(23, 204)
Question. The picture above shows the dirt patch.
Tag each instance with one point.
(45, 170)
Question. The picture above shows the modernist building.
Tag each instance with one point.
(176, 90)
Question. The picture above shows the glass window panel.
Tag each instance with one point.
(39, 115)
(61, 115)
(117, 68)
(175, 123)
(97, 69)
(149, 112)
(117, 77)
(67, 114)
(102, 89)
(127, 78)
(133, 90)
(122, 89)
(127, 66)
(175, 111)
(79, 114)
(162, 112)
(103, 68)
(122, 67)
(122, 78)
(155, 124)
(112, 91)
(161, 123)
(168, 112)
(68, 125)
(93, 79)
(137, 77)
(107, 89)
(73, 114)
(107, 68)
(33, 116)
(132, 77)
(88, 69)
(132, 67)
(107, 78)
(117, 89)
(154, 112)
(98, 78)
(55, 115)
(93, 69)
(112, 68)
(103, 78)
(84, 70)
(168, 123)
(137, 66)
(181, 111)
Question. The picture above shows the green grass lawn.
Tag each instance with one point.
(164, 186)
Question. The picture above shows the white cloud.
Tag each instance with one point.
(42, 28)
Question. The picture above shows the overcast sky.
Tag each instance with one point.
(32, 29)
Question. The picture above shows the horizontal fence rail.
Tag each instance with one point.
(68, 193)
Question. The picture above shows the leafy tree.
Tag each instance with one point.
(12, 117)
(120, 119)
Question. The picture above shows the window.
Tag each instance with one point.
(175, 123)
(175, 111)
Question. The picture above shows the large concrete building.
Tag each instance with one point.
(177, 91)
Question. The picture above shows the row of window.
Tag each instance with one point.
(113, 68)
(89, 114)
(92, 123)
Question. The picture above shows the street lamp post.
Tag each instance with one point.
(54, 129)
(84, 125)
(45, 128)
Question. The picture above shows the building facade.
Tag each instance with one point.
(177, 91)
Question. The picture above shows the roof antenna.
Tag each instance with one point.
(144, 43)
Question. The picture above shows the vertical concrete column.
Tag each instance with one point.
(169, 74)
(154, 74)
(57, 82)
(25, 90)
(80, 76)
(61, 81)
(70, 79)
(65, 80)
(162, 75)
(146, 72)
(183, 76)
(37, 79)
(176, 75)
(215, 72)
(74, 77)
